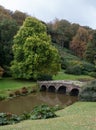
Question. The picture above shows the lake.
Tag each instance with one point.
(21, 104)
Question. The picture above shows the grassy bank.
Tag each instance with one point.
(79, 116)
(8, 84)
(62, 76)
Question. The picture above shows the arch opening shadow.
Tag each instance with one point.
(43, 88)
(51, 89)
(62, 90)
(74, 92)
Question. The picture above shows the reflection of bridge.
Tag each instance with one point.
(61, 86)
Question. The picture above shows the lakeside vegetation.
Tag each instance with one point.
(34, 55)
(79, 116)
(8, 84)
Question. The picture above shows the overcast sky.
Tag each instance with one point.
(75, 11)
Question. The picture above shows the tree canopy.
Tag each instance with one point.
(90, 53)
(79, 42)
(33, 52)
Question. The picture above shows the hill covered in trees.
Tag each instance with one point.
(76, 44)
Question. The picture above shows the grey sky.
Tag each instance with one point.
(75, 11)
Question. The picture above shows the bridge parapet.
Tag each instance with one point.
(61, 85)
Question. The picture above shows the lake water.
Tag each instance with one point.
(22, 104)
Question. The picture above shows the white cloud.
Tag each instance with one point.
(77, 11)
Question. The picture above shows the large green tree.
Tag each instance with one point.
(8, 28)
(90, 53)
(60, 31)
(33, 53)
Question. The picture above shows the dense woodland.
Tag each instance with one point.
(72, 38)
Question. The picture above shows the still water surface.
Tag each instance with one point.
(22, 104)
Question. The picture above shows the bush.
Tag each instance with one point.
(79, 67)
(2, 97)
(39, 112)
(1, 71)
(45, 77)
(42, 112)
(8, 118)
(24, 91)
(7, 72)
(88, 92)
(76, 70)
(93, 74)
(87, 67)
(17, 93)
(64, 63)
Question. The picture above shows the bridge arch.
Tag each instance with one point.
(62, 89)
(74, 92)
(43, 88)
(51, 88)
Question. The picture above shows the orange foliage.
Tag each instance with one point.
(79, 42)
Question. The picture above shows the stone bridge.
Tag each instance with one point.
(65, 87)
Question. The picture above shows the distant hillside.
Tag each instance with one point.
(72, 64)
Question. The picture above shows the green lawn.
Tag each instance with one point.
(8, 84)
(79, 116)
(62, 76)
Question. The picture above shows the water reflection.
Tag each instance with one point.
(21, 104)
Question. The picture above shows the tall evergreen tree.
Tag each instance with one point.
(33, 53)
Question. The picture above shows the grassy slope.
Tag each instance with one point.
(10, 84)
(62, 76)
(67, 54)
(80, 116)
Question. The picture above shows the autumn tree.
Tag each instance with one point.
(90, 53)
(60, 31)
(4, 13)
(79, 42)
(33, 53)
(19, 17)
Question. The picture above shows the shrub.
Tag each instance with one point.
(45, 77)
(87, 67)
(39, 112)
(17, 93)
(93, 74)
(79, 67)
(64, 63)
(76, 70)
(24, 90)
(1, 71)
(7, 72)
(56, 108)
(88, 92)
(8, 118)
(42, 112)
(2, 97)
(11, 94)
